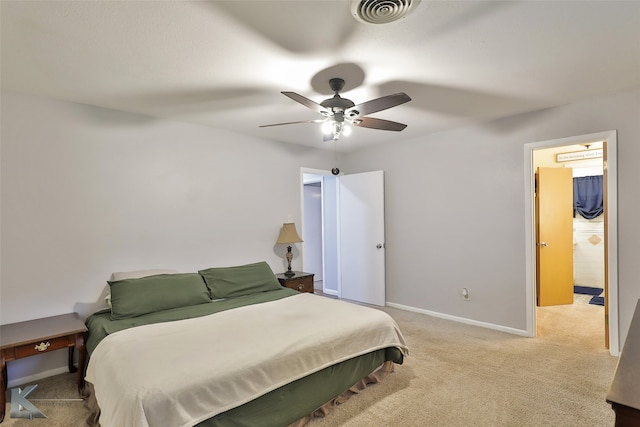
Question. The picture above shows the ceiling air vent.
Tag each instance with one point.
(381, 11)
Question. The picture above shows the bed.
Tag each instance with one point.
(228, 347)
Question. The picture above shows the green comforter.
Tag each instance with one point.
(100, 324)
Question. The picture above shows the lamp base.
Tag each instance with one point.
(289, 257)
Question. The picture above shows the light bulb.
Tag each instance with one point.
(327, 128)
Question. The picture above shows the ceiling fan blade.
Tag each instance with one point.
(378, 104)
(307, 102)
(293, 123)
(373, 123)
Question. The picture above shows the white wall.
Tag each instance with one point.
(462, 223)
(331, 276)
(312, 234)
(88, 191)
(588, 251)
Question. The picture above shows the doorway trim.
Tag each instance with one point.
(612, 238)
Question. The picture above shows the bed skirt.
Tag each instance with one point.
(231, 418)
(327, 408)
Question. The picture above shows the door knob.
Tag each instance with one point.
(543, 244)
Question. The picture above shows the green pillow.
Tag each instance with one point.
(227, 282)
(135, 297)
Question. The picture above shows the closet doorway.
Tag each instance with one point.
(320, 229)
(592, 309)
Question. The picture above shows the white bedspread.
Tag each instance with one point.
(181, 373)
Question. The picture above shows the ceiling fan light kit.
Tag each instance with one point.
(342, 113)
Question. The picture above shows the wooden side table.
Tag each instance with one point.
(24, 339)
(300, 281)
(624, 393)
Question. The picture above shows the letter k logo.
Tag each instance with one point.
(21, 407)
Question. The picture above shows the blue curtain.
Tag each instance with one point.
(587, 196)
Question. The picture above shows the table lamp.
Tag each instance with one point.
(288, 235)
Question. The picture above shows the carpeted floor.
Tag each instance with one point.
(455, 375)
(58, 398)
(580, 325)
(460, 375)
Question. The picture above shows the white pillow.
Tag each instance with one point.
(137, 274)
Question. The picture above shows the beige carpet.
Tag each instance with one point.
(457, 375)
(57, 397)
(580, 324)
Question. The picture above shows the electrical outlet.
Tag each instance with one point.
(290, 218)
(465, 294)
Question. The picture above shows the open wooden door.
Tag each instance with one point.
(554, 236)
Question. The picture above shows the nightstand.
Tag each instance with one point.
(24, 339)
(300, 281)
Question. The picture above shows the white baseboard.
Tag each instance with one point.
(35, 377)
(501, 328)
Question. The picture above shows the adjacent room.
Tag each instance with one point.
(346, 163)
(570, 216)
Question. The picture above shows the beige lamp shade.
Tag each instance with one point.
(288, 234)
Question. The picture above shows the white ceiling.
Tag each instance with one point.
(224, 63)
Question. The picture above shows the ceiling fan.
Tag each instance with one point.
(340, 112)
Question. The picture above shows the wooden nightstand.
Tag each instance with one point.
(24, 339)
(300, 281)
